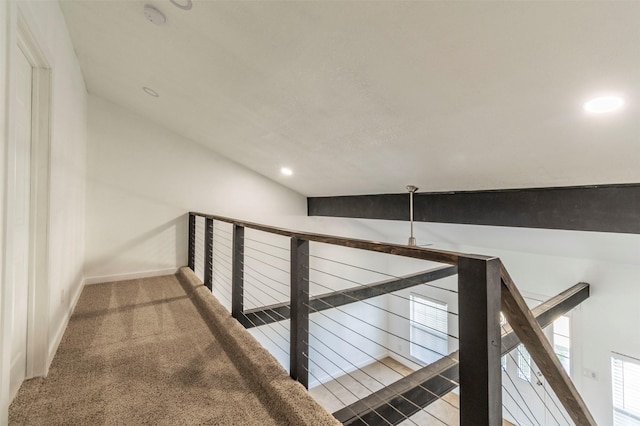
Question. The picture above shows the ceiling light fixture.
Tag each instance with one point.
(604, 104)
(286, 171)
(151, 92)
(185, 5)
(154, 15)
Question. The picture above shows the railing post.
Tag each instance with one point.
(191, 261)
(237, 280)
(208, 254)
(299, 329)
(480, 344)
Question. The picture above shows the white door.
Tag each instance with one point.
(21, 181)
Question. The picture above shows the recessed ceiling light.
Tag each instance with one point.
(184, 4)
(150, 92)
(154, 15)
(604, 104)
(286, 171)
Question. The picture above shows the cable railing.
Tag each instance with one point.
(358, 335)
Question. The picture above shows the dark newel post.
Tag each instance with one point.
(208, 254)
(299, 342)
(479, 328)
(237, 281)
(192, 242)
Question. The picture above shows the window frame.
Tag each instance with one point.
(437, 334)
(632, 417)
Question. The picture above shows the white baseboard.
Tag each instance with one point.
(130, 276)
(57, 337)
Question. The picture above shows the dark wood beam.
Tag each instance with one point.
(278, 312)
(602, 208)
(410, 394)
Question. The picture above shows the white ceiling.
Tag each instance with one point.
(367, 97)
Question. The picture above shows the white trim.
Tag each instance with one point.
(57, 337)
(130, 276)
(28, 41)
(8, 14)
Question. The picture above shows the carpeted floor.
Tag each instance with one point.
(139, 352)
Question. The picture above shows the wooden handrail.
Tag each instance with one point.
(423, 253)
(484, 286)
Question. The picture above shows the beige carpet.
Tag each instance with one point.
(148, 352)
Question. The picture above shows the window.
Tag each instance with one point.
(524, 363)
(625, 375)
(562, 342)
(428, 329)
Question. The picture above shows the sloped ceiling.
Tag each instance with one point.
(367, 97)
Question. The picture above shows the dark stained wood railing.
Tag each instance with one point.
(281, 311)
(484, 289)
(410, 394)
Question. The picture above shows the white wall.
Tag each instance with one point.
(143, 179)
(67, 165)
(5, 350)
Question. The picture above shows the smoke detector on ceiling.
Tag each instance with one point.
(154, 15)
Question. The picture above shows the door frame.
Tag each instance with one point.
(37, 323)
(23, 36)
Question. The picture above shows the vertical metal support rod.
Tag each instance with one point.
(191, 261)
(412, 189)
(480, 343)
(237, 280)
(208, 254)
(299, 341)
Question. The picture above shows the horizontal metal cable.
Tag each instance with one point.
(385, 347)
(389, 367)
(249, 267)
(544, 387)
(362, 268)
(217, 252)
(265, 253)
(361, 284)
(221, 293)
(269, 315)
(524, 401)
(267, 244)
(345, 292)
(547, 393)
(218, 243)
(393, 293)
(341, 384)
(346, 373)
(226, 264)
(219, 229)
(505, 407)
(261, 303)
(387, 311)
(271, 340)
(267, 264)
